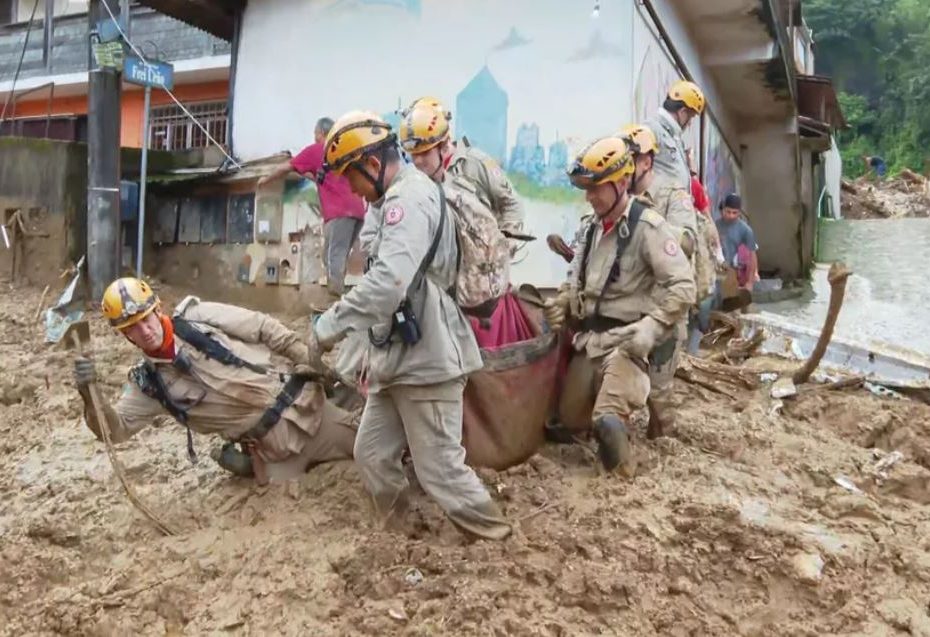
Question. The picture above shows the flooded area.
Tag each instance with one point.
(887, 296)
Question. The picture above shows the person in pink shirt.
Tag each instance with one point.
(343, 212)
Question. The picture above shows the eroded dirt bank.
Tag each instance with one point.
(737, 526)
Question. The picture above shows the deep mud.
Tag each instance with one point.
(734, 527)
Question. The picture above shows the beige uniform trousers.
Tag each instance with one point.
(428, 419)
(617, 384)
(334, 440)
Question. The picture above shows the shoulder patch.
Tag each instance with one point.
(493, 167)
(393, 214)
(185, 305)
(652, 217)
(671, 247)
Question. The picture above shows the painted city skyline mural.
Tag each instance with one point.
(528, 81)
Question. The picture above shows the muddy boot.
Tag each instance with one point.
(661, 419)
(233, 460)
(482, 522)
(613, 444)
(558, 433)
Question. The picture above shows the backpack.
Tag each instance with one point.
(705, 260)
(484, 252)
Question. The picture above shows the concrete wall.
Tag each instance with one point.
(52, 178)
(554, 74)
(833, 174)
(770, 170)
(219, 239)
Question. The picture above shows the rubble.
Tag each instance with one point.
(712, 537)
(906, 196)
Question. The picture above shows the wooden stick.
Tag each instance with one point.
(96, 405)
(41, 303)
(837, 278)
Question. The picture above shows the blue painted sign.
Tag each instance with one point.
(148, 73)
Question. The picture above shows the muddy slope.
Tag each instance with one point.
(735, 527)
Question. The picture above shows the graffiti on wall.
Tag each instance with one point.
(721, 172)
(528, 81)
(655, 73)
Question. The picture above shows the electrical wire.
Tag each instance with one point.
(19, 65)
(183, 108)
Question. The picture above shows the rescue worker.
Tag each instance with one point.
(422, 346)
(629, 287)
(484, 251)
(461, 159)
(671, 188)
(210, 367)
(644, 147)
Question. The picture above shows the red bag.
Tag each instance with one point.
(508, 402)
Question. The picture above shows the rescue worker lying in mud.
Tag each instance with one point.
(209, 366)
(629, 287)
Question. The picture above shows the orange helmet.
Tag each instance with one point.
(605, 160)
(424, 127)
(127, 301)
(353, 136)
(640, 139)
(689, 93)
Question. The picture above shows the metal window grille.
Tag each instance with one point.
(171, 129)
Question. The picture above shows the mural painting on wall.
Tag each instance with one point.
(528, 82)
(655, 73)
(721, 172)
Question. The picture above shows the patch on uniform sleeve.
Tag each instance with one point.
(671, 247)
(393, 215)
(494, 168)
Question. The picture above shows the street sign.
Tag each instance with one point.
(148, 73)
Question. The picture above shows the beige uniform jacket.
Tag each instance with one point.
(655, 277)
(493, 187)
(447, 350)
(671, 163)
(227, 400)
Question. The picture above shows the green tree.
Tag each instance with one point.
(877, 52)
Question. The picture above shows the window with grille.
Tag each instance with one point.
(171, 129)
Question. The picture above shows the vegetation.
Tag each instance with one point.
(878, 53)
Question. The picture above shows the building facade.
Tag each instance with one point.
(46, 94)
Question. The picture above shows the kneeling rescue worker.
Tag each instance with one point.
(209, 366)
(421, 345)
(629, 286)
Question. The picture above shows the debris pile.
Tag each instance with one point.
(811, 518)
(908, 195)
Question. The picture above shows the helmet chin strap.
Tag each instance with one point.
(377, 183)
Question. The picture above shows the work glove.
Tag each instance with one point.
(84, 372)
(557, 310)
(639, 338)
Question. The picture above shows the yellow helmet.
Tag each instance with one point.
(689, 93)
(640, 139)
(428, 101)
(603, 161)
(127, 301)
(353, 136)
(424, 127)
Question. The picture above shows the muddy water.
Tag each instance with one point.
(888, 297)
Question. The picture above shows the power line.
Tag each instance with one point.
(170, 94)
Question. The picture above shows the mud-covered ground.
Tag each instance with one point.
(734, 527)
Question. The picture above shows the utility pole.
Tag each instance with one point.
(103, 165)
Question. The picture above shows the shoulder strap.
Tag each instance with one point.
(624, 236)
(210, 347)
(431, 253)
(146, 377)
(583, 271)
